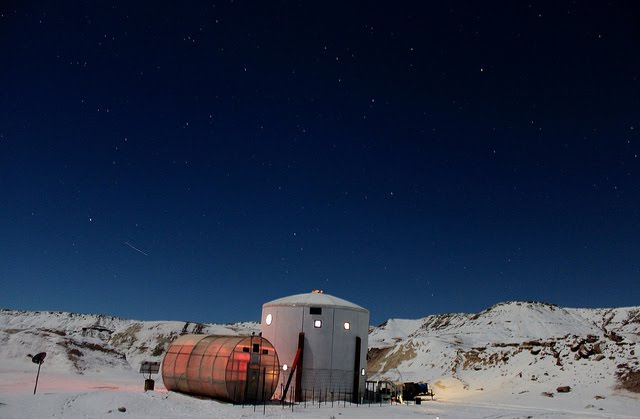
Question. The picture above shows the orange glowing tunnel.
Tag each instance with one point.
(238, 369)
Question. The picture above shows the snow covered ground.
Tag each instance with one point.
(64, 396)
(61, 396)
(505, 362)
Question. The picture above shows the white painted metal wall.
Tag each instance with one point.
(329, 350)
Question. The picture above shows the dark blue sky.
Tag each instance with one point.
(193, 161)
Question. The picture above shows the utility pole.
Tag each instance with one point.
(37, 359)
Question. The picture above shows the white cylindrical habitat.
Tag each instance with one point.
(332, 335)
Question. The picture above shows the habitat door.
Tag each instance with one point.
(255, 377)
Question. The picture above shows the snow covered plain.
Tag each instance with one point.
(506, 361)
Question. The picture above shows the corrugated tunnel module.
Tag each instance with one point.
(238, 369)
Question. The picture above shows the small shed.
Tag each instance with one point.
(321, 342)
(231, 368)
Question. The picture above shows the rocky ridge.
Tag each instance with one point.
(513, 346)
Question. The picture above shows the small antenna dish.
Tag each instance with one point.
(39, 358)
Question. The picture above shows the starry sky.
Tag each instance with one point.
(191, 161)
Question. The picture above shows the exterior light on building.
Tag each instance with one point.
(317, 323)
(285, 367)
(362, 372)
(347, 325)
(269, 319)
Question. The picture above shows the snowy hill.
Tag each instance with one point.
(514, 347)
(507, 360)
(82, 343)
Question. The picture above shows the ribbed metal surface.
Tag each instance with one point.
(232, 368)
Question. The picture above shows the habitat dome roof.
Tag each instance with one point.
(318, 299)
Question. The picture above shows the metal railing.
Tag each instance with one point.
(324, 398)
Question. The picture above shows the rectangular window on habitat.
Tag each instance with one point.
(315, 310)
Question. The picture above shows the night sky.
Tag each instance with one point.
(193, 160)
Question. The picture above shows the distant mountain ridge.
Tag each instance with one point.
(92, 342)
(513, 346)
